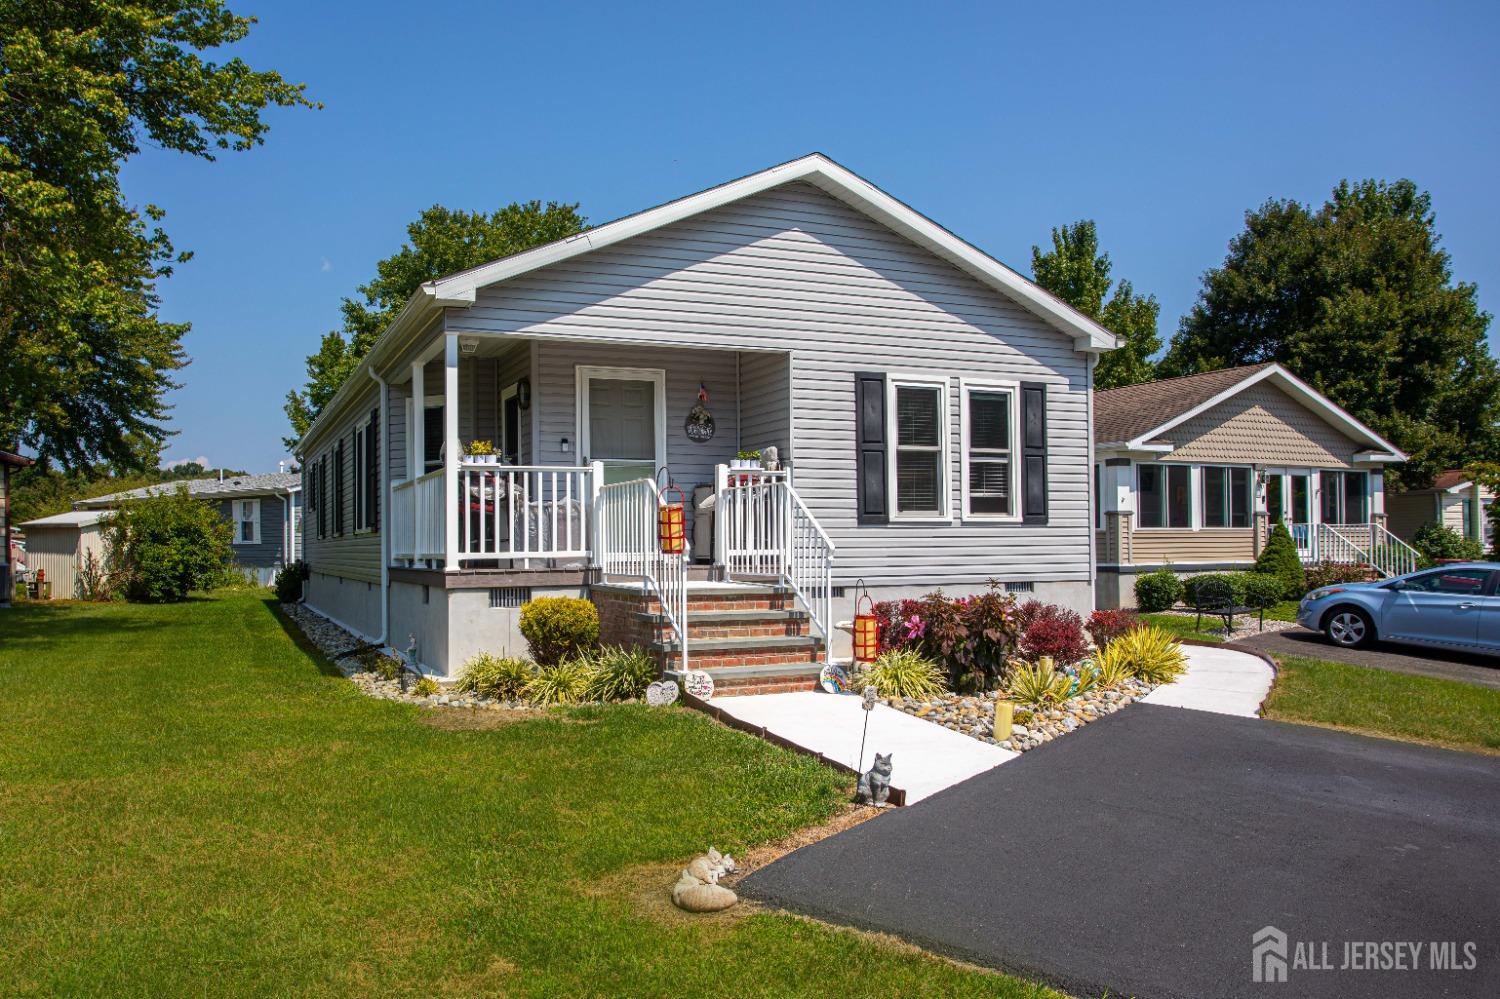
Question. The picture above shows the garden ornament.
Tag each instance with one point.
(698, 888)
(661, 693)
(875, 784)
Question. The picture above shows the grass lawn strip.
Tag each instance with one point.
(194, 801)
(1395, 705)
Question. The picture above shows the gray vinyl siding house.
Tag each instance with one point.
(776, 296)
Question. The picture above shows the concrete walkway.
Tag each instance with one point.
(1221, 680)
(926, 757)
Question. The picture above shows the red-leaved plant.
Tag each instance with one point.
(1050, 630)
(1107, 625)
(971, 636)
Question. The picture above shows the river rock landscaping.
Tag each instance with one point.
(974, 714)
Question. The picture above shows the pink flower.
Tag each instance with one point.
(915, 628)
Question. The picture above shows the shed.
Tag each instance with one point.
(59, 544)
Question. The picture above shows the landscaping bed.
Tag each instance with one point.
(974, 716)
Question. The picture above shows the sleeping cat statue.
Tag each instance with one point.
(698, 888)
(875, 783)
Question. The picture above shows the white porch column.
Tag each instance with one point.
(415, 459)
(452, 452)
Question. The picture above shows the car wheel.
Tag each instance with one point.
(1349, 627)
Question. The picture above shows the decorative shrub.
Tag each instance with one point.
(1150, 654)
(1038, 683)
(904, 673)
(559, 628)
(426, 687)
(1158, 591)
(1106, 625)
(377, 662)
(1279, 559)
(1021, 716)
(160, 547)
(1053, 631)
(1321, 574)
(566, 682)
(288, 582)
(616, 673)
(1436, 542)
(495, 676)
(971, 637)
(1235, 581)
(1112, 669)
(1263, 589)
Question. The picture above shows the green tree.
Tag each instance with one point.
(159, 548)
(441, 241)
(40, 490)
(1357, 298)
(86, 358)
(1075, 271)
(1279, 558)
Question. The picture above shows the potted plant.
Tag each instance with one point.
(481, 452)
(746, 459)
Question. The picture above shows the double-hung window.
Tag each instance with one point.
(246, 522)
(1165, 495)
(1226, 496)
(1345, 497)
(989, 418)
(919, 469)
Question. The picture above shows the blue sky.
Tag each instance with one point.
(997, 120)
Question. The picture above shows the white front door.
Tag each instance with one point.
(622, 421)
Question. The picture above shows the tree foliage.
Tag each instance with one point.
(1075, 271)
(160, 548)
(1357, 298)
(86, 359)
(441, 241)
(1279, 558)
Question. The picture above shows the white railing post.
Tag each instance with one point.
(721, 518)
(452, 453)
(596, 520)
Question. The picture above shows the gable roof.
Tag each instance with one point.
(239, 485)
(14, 460)
(458, 290)
(1135, 416)
(72, 518)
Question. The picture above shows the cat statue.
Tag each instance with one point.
(875, 784)
(698, 888)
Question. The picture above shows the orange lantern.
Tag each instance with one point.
(866, 628)
(671, 521)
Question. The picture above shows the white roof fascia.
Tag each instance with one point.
(1088, 336)
(1306, 393)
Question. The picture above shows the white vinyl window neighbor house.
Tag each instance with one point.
(1165, 495)
(989, 421)
(1344, 497)
(1226, 496)
(247, 522)
(919, 443)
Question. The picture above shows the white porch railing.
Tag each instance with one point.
(765, 530)
(417, 517)
(524, 511)
(628, 545)
(1363, 544)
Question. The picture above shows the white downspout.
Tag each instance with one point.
(384, 499)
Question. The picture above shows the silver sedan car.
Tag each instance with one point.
(1452, 607)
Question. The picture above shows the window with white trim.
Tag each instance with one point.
(1164, 494)
(1346, 497)
(247, 522)
(919, 415)
(989, 451)
(1226, 496)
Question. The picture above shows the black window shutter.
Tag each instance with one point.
(870, 448)
(372, 471)
(1033, 453)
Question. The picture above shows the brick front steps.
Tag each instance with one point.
(751, 638)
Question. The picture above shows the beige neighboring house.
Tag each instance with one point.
(1455, 500)
(1192, 472)
(60, 544)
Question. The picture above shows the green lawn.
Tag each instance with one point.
(193, 804)
(1183, 625)
(1417, 708)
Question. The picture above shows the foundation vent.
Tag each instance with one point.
(509, 596)
(1020, 587)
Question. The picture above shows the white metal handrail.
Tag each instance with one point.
(627, 544)
(764, 529)
(524, 511)
(1389, 554)
(1364, 544)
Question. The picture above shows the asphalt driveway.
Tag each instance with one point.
(1468, 667)
(1139, 855)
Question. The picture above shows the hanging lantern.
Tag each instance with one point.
(866, 627)
(671, 522)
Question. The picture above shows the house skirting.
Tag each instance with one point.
(1114, 587)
